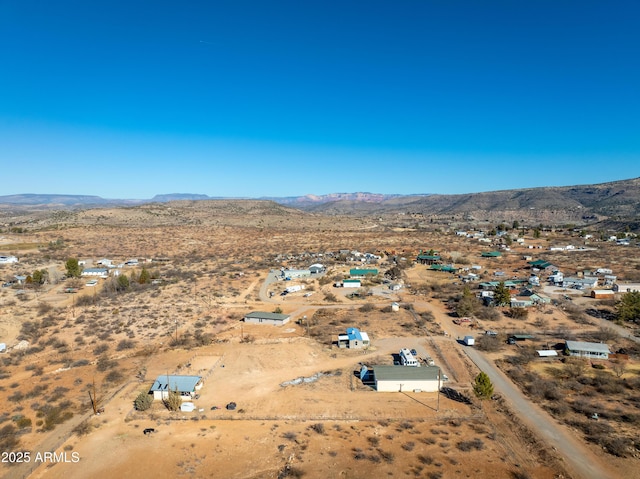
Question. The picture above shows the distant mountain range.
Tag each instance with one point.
(88, 200)
(617, 201)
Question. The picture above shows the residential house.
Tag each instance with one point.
(186, 386)
(587, 350)
(95, 272)
(626, 287)
(587, 282)
(260, 317)
(354, 339)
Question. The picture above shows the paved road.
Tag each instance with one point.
(577, 457)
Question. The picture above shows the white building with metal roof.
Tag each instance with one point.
(587, 350)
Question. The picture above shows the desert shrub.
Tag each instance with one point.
(318, 427)
(488, 343)
(374, 441)
(488, 313)
(290, 435)
(114, 377)
(517, 313)
(173, 401)
(54, 415)
(23, 422)
(290, 471)
(83, 428)
(366, 308)
(467, 446)
(408, 446)
(8, 438)
(387, 456)
(143, 401)
(105, 363)
(125, 344)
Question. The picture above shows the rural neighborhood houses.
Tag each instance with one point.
(8, 259)
(186, 386)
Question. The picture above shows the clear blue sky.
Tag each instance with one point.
(281, 98)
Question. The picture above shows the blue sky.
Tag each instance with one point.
(253, 98)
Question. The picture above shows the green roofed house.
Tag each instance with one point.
(428, 258)
(491, 254)
(186, 386)
(361, 273)
(351, 283)
(443, 267)
(259, 317)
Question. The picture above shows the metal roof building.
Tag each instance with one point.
(259, 317)
(185, 385)
(587, 350)
(399, 378)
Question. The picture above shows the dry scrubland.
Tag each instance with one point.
(215, 259)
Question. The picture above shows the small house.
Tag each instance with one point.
(587, 350)
(95, 272)
(362, 273)
(260, 317)
(186, 386)
(354, 339)
(351, 283)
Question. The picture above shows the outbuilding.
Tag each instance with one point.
(602, 294)
(399, 378)
(260, 317)
(351, 283)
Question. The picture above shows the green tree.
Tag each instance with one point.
(143, 401)
(482, 386)
(536, 233)
(40, 276)
(122, 283)
(516, 224)
(145, 277)
(628, 308)
(502, 295)
(173, 401)
(467, 304)
(73, 268)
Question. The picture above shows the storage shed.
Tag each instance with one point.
(399, 378)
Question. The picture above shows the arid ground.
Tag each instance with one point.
(210, 269)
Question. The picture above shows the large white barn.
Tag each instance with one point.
(400, 378)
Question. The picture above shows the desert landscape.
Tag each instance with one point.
(80, 355)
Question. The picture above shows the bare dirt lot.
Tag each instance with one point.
(209, 272)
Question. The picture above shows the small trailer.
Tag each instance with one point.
(469, 340)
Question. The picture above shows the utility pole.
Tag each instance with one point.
(438, 400)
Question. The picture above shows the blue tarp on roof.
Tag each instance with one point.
(354, 334)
